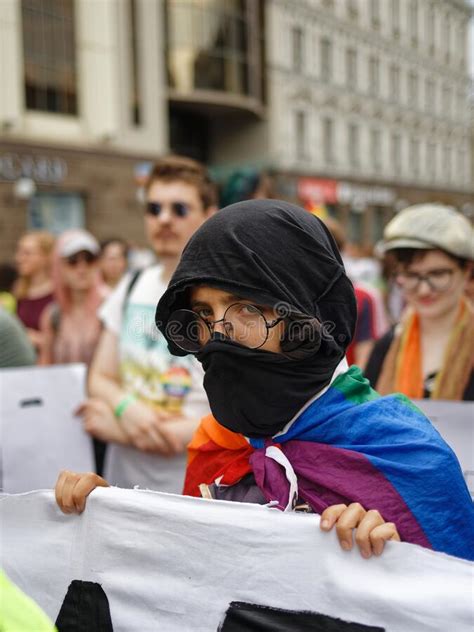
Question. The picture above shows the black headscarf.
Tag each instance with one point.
(271, 252)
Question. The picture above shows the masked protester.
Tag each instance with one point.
(261, 298)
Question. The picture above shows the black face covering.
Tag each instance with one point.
(275, 254)
(255, 392)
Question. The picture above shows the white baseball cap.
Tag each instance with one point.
(79, 241)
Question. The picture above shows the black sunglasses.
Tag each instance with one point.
(178, 209)
(85, 255)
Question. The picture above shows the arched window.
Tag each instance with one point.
(49, 50)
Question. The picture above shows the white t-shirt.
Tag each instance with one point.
(149, 371)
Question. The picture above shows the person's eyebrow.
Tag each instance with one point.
(229, 298)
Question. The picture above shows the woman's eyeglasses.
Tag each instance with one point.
(241, 323)
(437, 280)
(178, 209)
(86, 257)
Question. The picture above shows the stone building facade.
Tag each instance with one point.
(370, 98)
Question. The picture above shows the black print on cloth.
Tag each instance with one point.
(251, 618)
(85, 609)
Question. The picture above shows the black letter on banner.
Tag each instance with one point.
(251, 618)
(85, 609)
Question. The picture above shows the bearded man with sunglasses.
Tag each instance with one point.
(145, 402)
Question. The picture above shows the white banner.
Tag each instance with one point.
(174, 564)
(39, 433)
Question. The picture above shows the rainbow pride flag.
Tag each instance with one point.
(352, 445)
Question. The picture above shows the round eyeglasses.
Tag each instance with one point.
(241, 323)
(437, 280)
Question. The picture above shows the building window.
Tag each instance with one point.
(374, 75)
(375, 13)
(214, 46)
(56, 212)
(351, 68)
(352, 9)
(430, 104)
(297, 46)
(446, 101)
(461, 167)
(301, 135)
(415, 157)
(431, 160)
(353, 149)
(356, 226)
(462, 105)
(49, 50)
(394, 78)
(447, 163)
(378, 223)
(135, 97)
(395, 14)
(328, 141)
(461, 45)
(397, 153)
(430, 27)
(413, 22)
(413, 89)
(447, 39)
(326, 59)
(376, 149)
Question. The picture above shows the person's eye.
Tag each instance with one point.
(439, 274)
(203, 312)
(249, 309)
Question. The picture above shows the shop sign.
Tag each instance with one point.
(318, 190)
(41, 169)
(359, 196)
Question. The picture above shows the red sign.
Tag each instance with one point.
(318, 190)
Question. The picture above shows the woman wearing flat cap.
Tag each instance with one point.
(430, 353)
(261, 298)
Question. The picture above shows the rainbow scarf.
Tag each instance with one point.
(352, 445)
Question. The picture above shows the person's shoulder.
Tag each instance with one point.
(6, 318)
(148, 284)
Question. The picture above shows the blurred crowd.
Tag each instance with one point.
(71, 298)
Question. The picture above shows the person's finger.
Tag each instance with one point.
(348, 520)
(66, 502)
(330, 516)
(160, 441)
(164, 415)
(381, 534)
(80, 410)
(59, 487)
(174, 441)
(83, 487)
(149, 443)
(370, 521)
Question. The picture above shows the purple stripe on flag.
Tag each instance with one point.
(329, 476)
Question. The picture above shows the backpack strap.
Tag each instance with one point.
(130, 287)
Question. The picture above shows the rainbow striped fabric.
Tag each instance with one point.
(352, 445)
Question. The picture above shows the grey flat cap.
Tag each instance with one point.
(430, 226)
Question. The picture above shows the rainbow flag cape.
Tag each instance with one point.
(352, 445)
